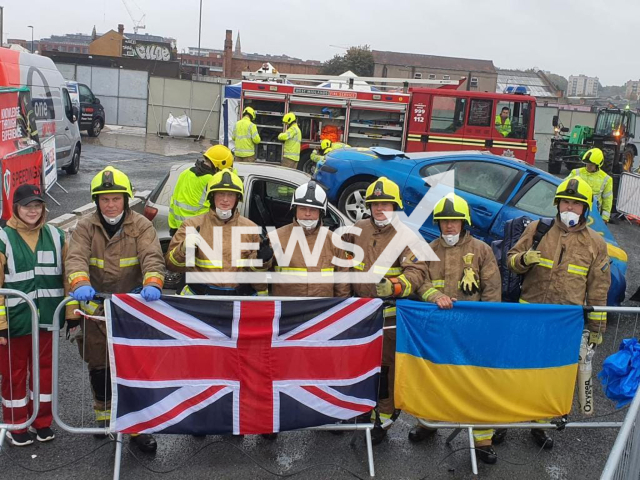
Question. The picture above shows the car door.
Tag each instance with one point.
(484, 185)
(268, 201)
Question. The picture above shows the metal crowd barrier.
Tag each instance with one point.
(55, 407)
(35, 360)
(624, 461)
(628, 198)
(459, 427)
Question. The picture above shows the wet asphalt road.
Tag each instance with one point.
(578, 454)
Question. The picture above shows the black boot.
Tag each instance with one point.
(145, 442)
(377, 434)
(420, 433)
(542, 438)
(486, 454)
(498, 436)
(101, 424)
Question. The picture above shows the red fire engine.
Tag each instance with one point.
(418, 119)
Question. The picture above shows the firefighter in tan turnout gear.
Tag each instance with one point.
(569, 267)
(404, 277)
(224, 192)
(115, 250)
(309, 203)
(467, 270)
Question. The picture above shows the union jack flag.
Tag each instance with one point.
(189, 365)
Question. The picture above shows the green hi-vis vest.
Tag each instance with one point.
(189, 197)
(38, 274)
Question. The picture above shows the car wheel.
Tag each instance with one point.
(74, 167)
(351, 202)
(96, 128)
(305, 164)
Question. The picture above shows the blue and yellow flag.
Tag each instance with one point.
(486, 362)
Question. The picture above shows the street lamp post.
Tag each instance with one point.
(31, 27)
(199, 36)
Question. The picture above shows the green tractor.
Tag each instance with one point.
(614, 134)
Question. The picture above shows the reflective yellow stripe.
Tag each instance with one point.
(73, 276)
(96, 262)
(243, 262)
(388, 272)
(301, 272)
(406, 291)
(3, 311)
(389, 312)
(479, 435)
(522, 301)
(428, 293)
(174, 261)
(513, 261)
(438, 283)
(129, 262)
(327, 272)
(73, 303)
(103, 415)
(262, 293)
(359, 266)
(545, 262)
(597, 316)
(578, 270)
(205, 263)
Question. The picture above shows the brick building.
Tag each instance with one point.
(480, 75)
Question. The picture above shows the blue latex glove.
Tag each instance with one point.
(83, 294)
(150, 293)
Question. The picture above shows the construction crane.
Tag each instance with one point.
(137, 25)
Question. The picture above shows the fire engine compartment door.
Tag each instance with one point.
(274, 97)
(393, 107)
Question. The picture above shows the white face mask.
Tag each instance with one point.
(451, 240)
(382, 223)
(113, 220)
(224, 214)
(308, 224)
(570, 219)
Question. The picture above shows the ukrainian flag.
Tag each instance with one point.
(486, 362)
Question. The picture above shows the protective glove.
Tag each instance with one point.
(4, 335)
(266, 252)
(595, 338)
(190, 240)
(83, 294)
(469, 283)
(313, 155)
(150, 293)
(531, 257)
(384, 288)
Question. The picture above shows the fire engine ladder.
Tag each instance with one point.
(349, 82)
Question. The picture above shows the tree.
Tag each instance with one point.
(357, 59)
(559, 81)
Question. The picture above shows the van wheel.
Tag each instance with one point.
(73, 168)
(96, 128)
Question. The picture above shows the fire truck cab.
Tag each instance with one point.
(449, 120)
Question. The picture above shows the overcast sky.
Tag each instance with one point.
(564, 36)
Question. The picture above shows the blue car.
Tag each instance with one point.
(496, 188)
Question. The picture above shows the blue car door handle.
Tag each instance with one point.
(482, 211)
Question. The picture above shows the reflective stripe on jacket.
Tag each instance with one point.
(291, 138)
(443, 277)
(602, 186)
(245, 136)
(130, 259)
(298, 268)
(574, 269)
(189, 197)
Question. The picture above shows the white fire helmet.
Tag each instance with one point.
(310, 195)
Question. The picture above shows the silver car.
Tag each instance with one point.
(267, 197)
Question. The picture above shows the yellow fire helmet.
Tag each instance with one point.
(594, 156)
(226, 181)
(220, 156)
(251, 112)
(452, 207)
(324, 144)
(111, 180)
(574, 188)
(289, 118)
(383, 190)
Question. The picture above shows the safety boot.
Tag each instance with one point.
(420, 433)
(499, 436)
(542, 438)
(145, 442)
(378, 434)
(486, 454)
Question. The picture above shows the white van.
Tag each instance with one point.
(54, 112)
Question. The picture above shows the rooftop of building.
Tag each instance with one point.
(433, 61)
